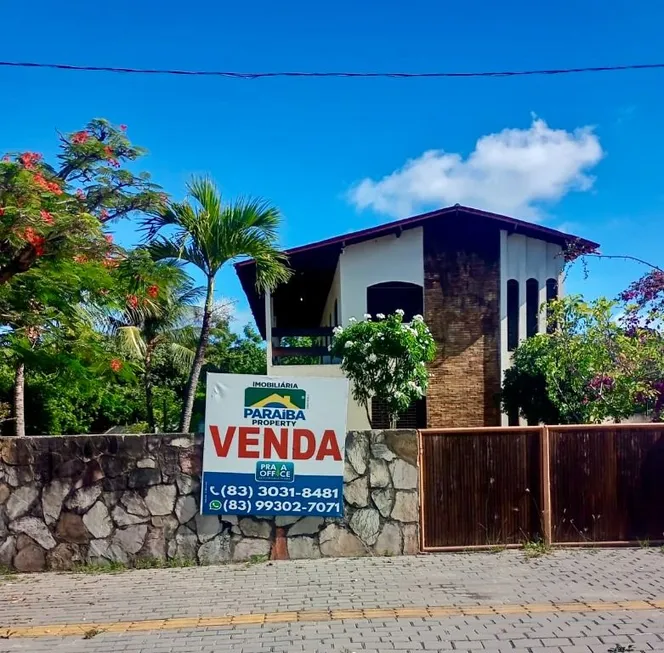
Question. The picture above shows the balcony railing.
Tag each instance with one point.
(306, 346)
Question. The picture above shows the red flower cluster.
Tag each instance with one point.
(132, 300)
(80, 194)
(2, 211)
(116, 364)
(104, 214)
(109, 238)
(80, 137)
(153, 291)
(80, 258)
(29, 159)
(123, 128)
(46, 217)
(35, 240)
(47, 185)
(110, 155)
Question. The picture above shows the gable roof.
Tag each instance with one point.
(323, 254)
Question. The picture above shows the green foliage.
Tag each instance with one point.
(57, 211)
(588, 369)
(105, 337)
(208, 234)
(386, 358)
(300, 341)
(231, 353)
(535, 548)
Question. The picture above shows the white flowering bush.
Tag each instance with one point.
(385, 358)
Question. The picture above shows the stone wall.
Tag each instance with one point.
(71, 500)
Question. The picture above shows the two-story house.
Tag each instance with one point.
(478, 278)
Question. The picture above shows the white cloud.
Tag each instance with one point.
(508, 172)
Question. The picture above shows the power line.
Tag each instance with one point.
(393, 75)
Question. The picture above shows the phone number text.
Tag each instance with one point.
(245, 506)
(272, 492)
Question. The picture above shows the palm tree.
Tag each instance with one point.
(209, 234)
(164, 319)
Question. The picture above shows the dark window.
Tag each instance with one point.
(532, 307)
(551, 295)
(512, 314)
(415, 417)
(387, 297)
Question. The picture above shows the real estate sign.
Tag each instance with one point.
(274, 445)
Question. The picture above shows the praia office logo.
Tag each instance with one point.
(287, 403)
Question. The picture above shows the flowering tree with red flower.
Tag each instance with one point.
(59, 209)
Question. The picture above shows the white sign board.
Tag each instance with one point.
(274, 445)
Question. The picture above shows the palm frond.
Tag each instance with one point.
(151, 225)
(191, 296)
(181, 355)
(271, 269)
(206, 193)
(131, 341)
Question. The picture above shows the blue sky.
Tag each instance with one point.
(590, 162)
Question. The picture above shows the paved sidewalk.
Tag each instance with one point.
(567, 601)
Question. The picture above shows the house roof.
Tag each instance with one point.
(321, 256)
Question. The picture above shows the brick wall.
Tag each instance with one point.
(462, 309)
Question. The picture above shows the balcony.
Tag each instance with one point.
(306, 346)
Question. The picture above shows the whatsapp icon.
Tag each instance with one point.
(215, 504)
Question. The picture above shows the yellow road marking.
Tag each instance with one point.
(359, 614)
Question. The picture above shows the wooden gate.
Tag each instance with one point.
(567, 485)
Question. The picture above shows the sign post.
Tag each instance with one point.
(274, 445)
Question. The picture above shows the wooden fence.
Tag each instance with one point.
(564, 485)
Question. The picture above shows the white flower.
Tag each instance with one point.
(372, 358)
(399, 312)
(337, 330)
(329, 348)
(349, 344)
(418, 318)
(351, 320)
(380, 316)
(367, 316)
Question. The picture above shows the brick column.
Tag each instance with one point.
(462, 309)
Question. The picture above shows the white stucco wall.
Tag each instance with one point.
(356, 416)
(327, 319)
(523, 258)
(389, 258)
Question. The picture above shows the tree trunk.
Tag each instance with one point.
(187, 409)
(147, 385)
(165, 415)
(366, 410)
(19, 399)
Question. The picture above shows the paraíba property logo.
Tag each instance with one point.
(270, 403)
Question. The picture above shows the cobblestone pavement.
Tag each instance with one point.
(567, 601)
